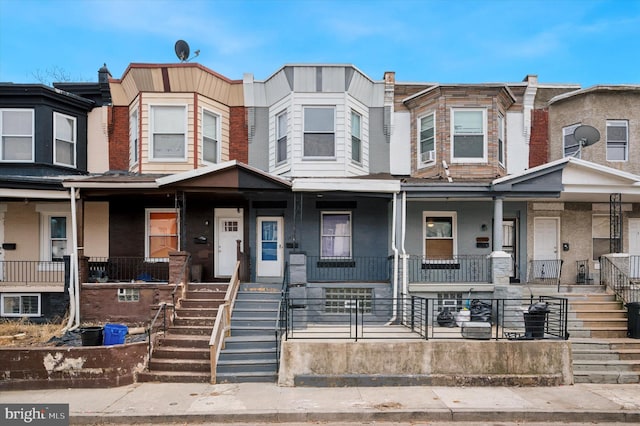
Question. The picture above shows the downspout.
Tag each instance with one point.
(395, 260)
(72, 297)
(74, 257)
(405, 285)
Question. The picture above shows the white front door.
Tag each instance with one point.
(229, 231)
(634, 246)
(270, 251)
(545, 238)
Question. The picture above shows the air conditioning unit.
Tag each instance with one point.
(428, 156)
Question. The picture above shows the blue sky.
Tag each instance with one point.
(465, 41)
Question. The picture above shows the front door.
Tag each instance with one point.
(229, 231)
(634, 247)
(510, 244)
(545, 246)
(270, 252)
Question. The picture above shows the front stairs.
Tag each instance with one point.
(250, 352)
(183, 353)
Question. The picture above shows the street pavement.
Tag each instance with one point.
(264, 403)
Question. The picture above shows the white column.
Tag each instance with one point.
(497, 224)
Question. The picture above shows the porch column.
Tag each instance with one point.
(497, 224)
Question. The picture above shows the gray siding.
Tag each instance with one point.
(378, 146)
(259, 139)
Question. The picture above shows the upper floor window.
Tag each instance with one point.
(501, 147)
(281, 137)
(168, 133)
(161, 232)
(133, 137)
(356, 137)
(210, 137)
(426, 133)
(617, 140)
(468, 135)
(336, 235)
(571, 147)
(16, 133)
(64, 148)
(319, 132)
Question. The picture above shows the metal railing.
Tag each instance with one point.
(425, 318)
(349, 269)
(26, 272)
(545, 272)
(128, 269)
(162, 309)
(281, 318)
(627, 289)
(453, 269)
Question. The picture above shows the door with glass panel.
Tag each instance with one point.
(270, 250)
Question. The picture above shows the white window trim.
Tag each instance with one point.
(428, 163)
(134, 139)
(286, 135)
(352, 111)
(46, 212)
(626, 145)
(74, 143)
(147, 214)
(565, 131)
(454, 230)
(32, 134)
(333, 132)
(152, 158)
(20, 315)
(218, 132)
(484, 136)
(348, 213)
(502, 151)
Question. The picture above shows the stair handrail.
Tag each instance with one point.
(181, 280)
(161, 309)
(618, 281)
(281, 315)
(222, 324)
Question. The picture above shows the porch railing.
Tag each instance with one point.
(627, 289)
(26, 272)
(344, 269)
(545, 272)
(128, 269)
(454, 269)
(425, 318)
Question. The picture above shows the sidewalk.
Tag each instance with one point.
(266, 402)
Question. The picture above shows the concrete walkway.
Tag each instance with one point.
(263, 403)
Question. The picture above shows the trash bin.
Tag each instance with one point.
(114, 334)
(91, 336)
(633, 320)
(535, 319)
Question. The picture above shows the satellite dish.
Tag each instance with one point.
(586, 135)
(182, 50)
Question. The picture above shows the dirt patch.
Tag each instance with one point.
(23, 333)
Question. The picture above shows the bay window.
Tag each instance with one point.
(468, 135)
(426, 133)
(210, 137)
(319, 132)
(64, 147)
(168, 132)
(16, 135)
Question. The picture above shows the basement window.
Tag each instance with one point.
(343, 300)
(128, 294)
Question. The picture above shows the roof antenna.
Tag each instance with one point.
(182, 51)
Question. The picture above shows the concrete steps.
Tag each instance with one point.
(606, 360)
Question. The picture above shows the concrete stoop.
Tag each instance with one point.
(182, 355)
(606, 360)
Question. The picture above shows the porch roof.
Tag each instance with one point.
(362, 184)
(33, 187)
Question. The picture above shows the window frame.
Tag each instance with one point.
(148, 235)
(482, 159)
(20, 296)
(281, 134)
(73, 143)
(565, 132)
(610, 123)
(218, 118)
(593, 233)
(349, 214)
(454, 233)
(3, 135)
(134, 136)
(421, 162)
(331, 132)
(502, 158)
(152, 133)
(46, 212)
(356, 140)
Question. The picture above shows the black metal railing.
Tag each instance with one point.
(345, 269)
(627, 289)
(281, 318)
(31, 272)
(154, 328)
(128, 269)
(545, 272)
(425, 318)
(453, 269)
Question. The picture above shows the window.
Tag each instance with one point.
(426, 133)
(58, 244)
(501, 139)
(168, 124)
(600, 235)
(570, 144)
(161, 233)
(356, 138)
(319, 132)
(16, 132)
(336, 235)
(128, 294)
(281, 137)
(55, 233)
(439, 235)
(343, 300)
(468, 135)
(209, 137)
(64, 148)
(133, 137)
(617, 140)
(20, 305)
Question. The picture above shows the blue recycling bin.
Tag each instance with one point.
(114, 334)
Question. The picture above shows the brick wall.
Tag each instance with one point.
(539, 141)
(238, 135)
(119, 138)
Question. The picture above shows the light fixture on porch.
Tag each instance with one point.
(430, 223)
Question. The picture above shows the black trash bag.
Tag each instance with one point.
(446, 318)
(539, 307)
(480, 311)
